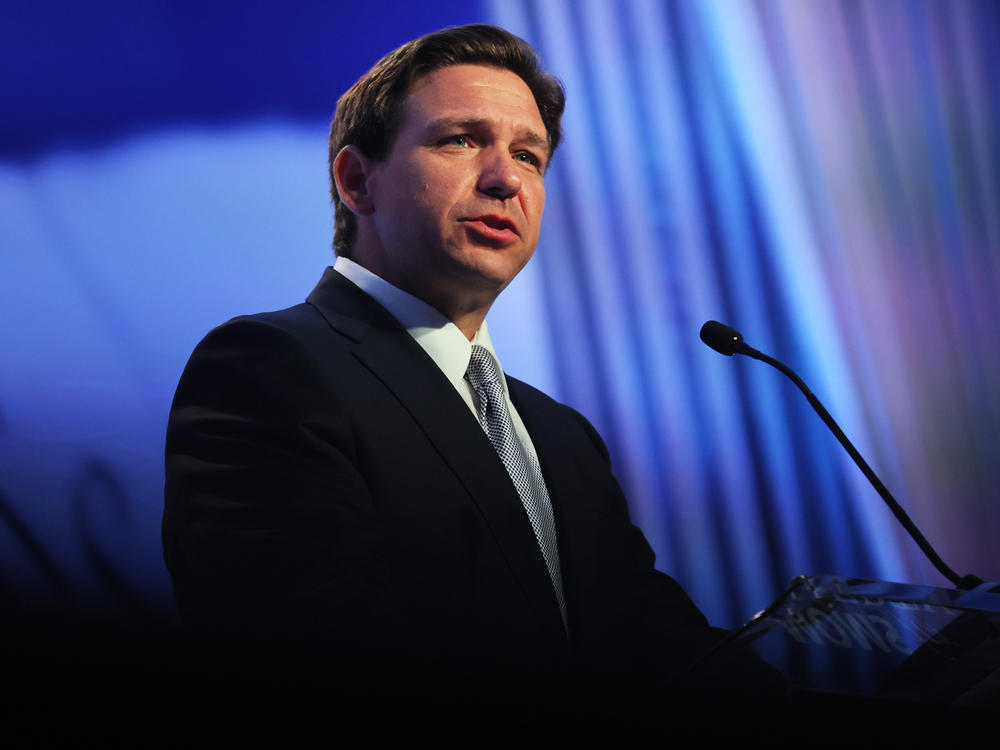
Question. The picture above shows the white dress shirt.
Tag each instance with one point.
(436, 335)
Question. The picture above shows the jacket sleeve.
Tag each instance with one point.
(269, 530)
(657, 646)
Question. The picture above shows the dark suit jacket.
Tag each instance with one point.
(329, 493)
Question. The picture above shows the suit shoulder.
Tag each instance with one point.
(294, 322)
(526, 396)
(273, 357)
(300, 331)
(535, 400)
(538, 405)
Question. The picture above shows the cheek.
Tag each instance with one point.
(426, 204)
(532, 203)
(439, 198)
(433, 179)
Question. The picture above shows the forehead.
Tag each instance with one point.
(472, 91)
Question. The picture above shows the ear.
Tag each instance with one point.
(351, 172)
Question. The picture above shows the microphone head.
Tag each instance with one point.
(721, 337)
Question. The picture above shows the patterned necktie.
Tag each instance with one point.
(484, 376)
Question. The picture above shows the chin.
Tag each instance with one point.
(486, 269)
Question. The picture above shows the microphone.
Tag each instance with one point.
(729, 341)
(722, 338)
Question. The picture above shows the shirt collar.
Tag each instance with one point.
(436, 335)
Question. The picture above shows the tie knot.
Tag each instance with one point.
(482, 372)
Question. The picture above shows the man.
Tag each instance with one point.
(354, 488)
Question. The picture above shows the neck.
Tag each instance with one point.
(464, 305)
(470, 324)
(467, 311)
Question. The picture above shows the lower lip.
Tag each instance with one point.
(492, 234)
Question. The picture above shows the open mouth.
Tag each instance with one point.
(492, 230)
(495, 222)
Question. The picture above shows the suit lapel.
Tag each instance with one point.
(566, 484)
(392, 356)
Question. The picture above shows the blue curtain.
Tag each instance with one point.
(822, 176)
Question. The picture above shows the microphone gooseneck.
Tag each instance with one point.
(729, 341)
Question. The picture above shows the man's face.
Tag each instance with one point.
(458, 201)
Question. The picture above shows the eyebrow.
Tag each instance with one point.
(476, 123)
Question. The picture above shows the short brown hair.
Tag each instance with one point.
(369, 113)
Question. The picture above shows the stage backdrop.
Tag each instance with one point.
(821, 175)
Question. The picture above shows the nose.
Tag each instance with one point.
(499, 177)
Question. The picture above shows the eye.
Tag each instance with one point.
(528, 158)
(457, 140)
